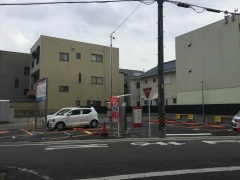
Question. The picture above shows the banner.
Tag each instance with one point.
(115, 109)
(41, 90)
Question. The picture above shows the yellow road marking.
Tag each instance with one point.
(27, 132)
(87, 132)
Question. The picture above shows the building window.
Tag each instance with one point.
(37, 60)
(145, 81)
(26, 70)
(32, 64)
(25, 91)
(96, 103)
(63, 88)
(79, 77)
(154, 79)
(138, 85)
(146, 102)
(78, 55)
(64, 56)
(16, 83)
(174, 100)
(167, 79)
(89, 103)
(97, 58)
(96, 80)
(78, 103)
(138, 103)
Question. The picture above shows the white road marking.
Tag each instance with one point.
(76, 146)
(167, 173)
(198, 134)
(215, 142)
(44, 177)
(156, 143)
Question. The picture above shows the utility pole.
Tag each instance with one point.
(161, 105)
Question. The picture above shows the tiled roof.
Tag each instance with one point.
(168, 66)
(131, 74)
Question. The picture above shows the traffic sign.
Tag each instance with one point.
(147, 91)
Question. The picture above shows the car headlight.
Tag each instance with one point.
(53, 120)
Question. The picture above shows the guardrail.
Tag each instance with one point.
(219, 118)
(190, 116)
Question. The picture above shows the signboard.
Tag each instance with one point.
(137, 116)
(115, 109)
(41, 90)
(147, 91)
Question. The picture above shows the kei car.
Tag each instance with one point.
(58, 113)
(235, 120)
(75, 118)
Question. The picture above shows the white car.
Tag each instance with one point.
(58, 113)
(75, 118)
(235, 120)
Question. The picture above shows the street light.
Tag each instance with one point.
(203, 101)
(111, 37)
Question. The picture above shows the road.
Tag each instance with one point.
(130, 158)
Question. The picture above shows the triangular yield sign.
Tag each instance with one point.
(147, 91)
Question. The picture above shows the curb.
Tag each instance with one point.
(215, 125)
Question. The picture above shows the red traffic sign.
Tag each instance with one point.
(147, 91)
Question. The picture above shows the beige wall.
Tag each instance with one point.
(65, 73)
(169, 88)
(213, 57)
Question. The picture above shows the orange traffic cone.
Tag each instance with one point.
(104, 130)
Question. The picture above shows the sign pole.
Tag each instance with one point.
(46, 103)
(149, 117)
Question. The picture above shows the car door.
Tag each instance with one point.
(85, 116)
(73, 119)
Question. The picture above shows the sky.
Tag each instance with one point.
(135, 26)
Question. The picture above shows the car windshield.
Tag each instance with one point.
(63, 111)
(238, 114)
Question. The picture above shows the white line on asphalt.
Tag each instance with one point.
(76, 146)
(167, 173)
(198, 134)
(215, 142)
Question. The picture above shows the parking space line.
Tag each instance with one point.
(67, 137)
(27, 132)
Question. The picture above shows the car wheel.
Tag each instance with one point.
(60, 126)
(94, 123)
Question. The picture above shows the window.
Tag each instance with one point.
(96, 80)
(96, 103)
(145, 81)
(64, 56)
(174, 100)
(25, 91)
(26, 70)
(79, 77)
(78, 55)
(97, 58)
(154, 79)
(86, 111)
(63, 88)
(138, 103)
(138, 85)
(78, 103)
(89, 103)
(167, 79)
(37, 60)
(16, 83)
(32, 64)
(74, 112)
(146, 102)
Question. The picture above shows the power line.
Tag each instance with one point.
(192, 6)
(62, 2)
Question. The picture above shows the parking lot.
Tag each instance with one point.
(173, 128)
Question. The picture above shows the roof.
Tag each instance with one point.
(131, 74)
(168, 66)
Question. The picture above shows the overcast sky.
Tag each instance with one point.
(21, 26)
